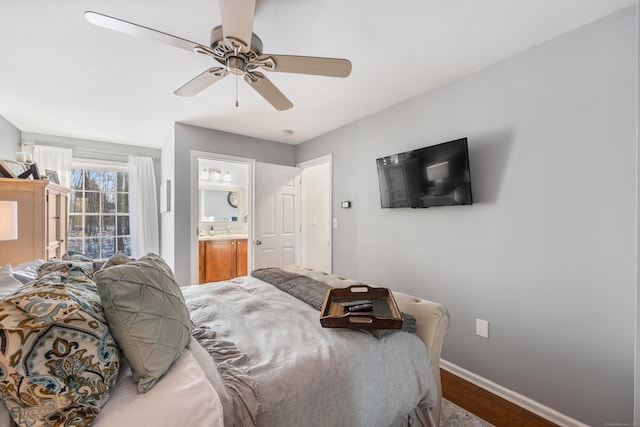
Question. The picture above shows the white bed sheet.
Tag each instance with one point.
(183, 397)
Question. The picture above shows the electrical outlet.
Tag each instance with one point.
(482, 328)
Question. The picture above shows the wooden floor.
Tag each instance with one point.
(486, 405)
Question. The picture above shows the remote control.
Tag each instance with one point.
(352, 303)
(359, 307)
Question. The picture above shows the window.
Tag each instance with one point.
(99, 211)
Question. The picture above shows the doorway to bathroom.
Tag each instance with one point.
(283, 220)
(222, 207)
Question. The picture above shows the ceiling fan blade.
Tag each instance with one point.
(331, 67)
(126, 27)
(201, 82)
(264, 87)
(237, 21)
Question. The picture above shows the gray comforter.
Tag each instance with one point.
(306, 375)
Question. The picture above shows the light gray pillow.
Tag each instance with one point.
(117, 259)
(27, 271)
(8, 283)
(147, 316)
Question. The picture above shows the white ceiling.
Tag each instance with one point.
(61, 75)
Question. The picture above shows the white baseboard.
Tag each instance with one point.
(513, 397)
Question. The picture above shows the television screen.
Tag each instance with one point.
(431, 176)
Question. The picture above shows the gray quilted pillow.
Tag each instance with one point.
(147, 316)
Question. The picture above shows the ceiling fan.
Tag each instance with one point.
(237, 49)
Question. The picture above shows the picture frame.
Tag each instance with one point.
(11, 168)
(5, 172)
(35, 173)
(31, 171)
(52, 176)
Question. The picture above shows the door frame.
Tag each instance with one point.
(195, 201)
(327, 158)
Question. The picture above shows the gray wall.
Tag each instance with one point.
(191, 138)
(95, 150)
(547, 252)
(9, 139)
(637, 376)
(167, 219)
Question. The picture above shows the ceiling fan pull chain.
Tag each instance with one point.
(236, 90)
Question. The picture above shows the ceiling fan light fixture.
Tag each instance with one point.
(237, 65)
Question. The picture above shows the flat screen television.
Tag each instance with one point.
(431, 176)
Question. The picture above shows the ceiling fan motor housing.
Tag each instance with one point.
(225, 47)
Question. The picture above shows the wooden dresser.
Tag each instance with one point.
(42, 220)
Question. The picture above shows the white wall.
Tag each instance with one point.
(315, 217)
(547, 252)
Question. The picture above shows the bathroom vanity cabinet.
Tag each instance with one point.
(222, 258)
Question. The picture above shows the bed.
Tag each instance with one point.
(247, 352)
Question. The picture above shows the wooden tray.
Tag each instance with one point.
(385, 313)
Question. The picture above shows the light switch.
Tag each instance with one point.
(482, 328)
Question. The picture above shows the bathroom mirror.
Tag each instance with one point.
(221, 205)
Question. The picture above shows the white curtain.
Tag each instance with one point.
(55, 159)
(143, 207)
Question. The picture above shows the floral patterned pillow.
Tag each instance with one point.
(58, 359)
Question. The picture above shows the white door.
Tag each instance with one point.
(277, 225)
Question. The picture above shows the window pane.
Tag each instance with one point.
(92, 180)
(76, 179)
(93, 202)
(75, 245)
(91, 225)
(124, 245)
(109, 225)
(123, 203)
(109, 202)
(75, 226)
(76, 202)
(123, 225)
(108, 246)
(108, 181)
(92, 248)
(123, 181)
